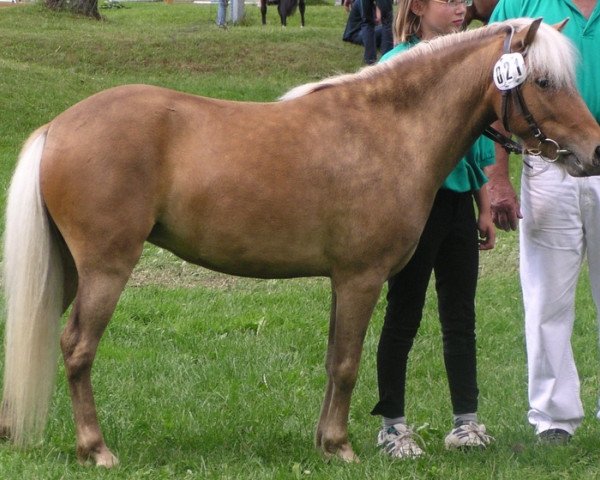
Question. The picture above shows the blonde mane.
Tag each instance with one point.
(551, 54)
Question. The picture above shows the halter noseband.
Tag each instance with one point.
(514, 93)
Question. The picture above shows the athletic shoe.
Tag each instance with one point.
(554, 436)
(398, 441)
(468, 435)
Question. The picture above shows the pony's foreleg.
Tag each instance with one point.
(355, 300)
(302, 8)
(328, 356)
(96, 299)
(263, 11)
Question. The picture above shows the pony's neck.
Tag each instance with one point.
(444, 96)
(419, 112)
(453, 83)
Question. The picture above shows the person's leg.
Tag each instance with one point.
(405, 300)
(591, 214)
(551, 252)
(367, 29)
(387, 18)
(456, 270)
(222, 13)
(406, 297)
(378, 31)
(355, 38)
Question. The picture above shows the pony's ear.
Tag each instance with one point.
(525, 37)
(561, 25)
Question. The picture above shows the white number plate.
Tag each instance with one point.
(510, 71)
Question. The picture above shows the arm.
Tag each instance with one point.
(487, 232)
(505, 207)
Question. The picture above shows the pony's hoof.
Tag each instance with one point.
(343, 452)
(104, 458)
(4, 431)
(346, 453)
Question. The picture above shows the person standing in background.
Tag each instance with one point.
(237, 12)
(353, 30)
(368, 28)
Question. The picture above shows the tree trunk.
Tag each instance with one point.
(89, 8)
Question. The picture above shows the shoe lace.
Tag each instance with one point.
(402, 439)
(475, 430)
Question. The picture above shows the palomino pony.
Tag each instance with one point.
(285, 8)
(347, 200)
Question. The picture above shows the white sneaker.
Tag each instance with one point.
(398, 441)
(468, 435)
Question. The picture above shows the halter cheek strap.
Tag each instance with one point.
(506, 93)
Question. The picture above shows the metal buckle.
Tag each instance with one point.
(558, 152)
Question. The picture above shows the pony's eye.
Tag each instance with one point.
(542, 82)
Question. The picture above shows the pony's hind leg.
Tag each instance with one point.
(263, 11)
(283, 18)
(302, 8)
(97, 296)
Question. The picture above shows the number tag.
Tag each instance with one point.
(510, 71)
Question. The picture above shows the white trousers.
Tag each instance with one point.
(560, 225)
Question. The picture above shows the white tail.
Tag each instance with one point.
(33, 284)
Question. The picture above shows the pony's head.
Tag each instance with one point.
(544, 108)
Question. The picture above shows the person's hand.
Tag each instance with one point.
(348, 5)
(506, 210)
(487, 232)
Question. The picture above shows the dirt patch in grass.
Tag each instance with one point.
(189, 276)
(161, 268)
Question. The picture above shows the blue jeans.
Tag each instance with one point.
(368, 28)
(222, 12)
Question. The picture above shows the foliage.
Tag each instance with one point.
(200, 375)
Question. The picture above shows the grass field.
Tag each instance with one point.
(201, 375)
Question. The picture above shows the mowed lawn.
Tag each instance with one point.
(201, 375)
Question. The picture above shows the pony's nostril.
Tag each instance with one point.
(596, 159)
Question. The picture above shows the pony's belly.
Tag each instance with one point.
(247, 255)
(264, 269)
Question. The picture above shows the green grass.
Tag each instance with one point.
(201, 375)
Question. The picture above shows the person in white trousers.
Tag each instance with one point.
(560, 222)
(560, 225)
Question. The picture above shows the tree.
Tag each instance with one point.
(89, 8)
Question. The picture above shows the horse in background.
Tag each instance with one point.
(347, 199)
(285, 8)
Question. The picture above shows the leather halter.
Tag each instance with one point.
(514, 95)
